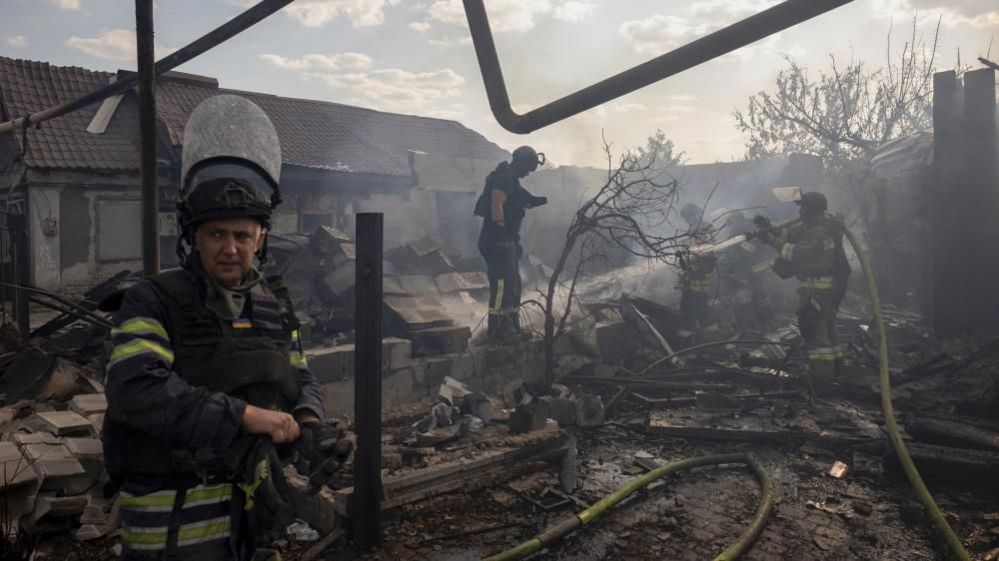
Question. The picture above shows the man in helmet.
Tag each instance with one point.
(696, 273)
(206, 373)
(502, 206)
(812, 251)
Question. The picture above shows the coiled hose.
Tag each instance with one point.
(570, 525)
(937, 517)
(735, 550)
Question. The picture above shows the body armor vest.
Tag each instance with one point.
(249, 360)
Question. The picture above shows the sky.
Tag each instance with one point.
(416, 57)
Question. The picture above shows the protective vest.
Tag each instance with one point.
(518, 200)
(247, 360)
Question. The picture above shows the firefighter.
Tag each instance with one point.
(812, 251)
(206, 376)
(741, 267)
(696, 273)
(502, 207)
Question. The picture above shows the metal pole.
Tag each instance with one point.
(367, 497)
(756, 27)
(147, 136)
(213, 38)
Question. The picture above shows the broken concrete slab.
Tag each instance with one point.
(63, 474)
(455, 282)
(49, 504)
(15, 469)
(396, 353)
(90, 452)
(422, 285)
(338, 286)
(530, 417)
(25, 438)
(62, 423)
(89, 404)
(35, 452)
(440, 340)
(407, 313)
(610, 340)
(329, 364)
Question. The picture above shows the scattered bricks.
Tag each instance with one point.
(418, 284)
(97, 423)
(463, 367)
(7, 415)
(35, 452)
(25, 438)
(329, 364)
(437, 369)
(94, 514)
(62, 423)
(562, 410)
(90, 452)
(338, 286)
(63, 474)
(15, 469)
(48, 504)
(440, 340)
(589, 411)
(89, 404)
(89, 532)
(530, 417)
(396, 353)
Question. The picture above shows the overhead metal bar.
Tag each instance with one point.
(753, 28)
(213, 38)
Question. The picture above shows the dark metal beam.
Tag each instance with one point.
(147, 136)
(368, 381)
(714, 45)
(213, 38)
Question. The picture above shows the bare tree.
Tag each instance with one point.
(629, 213)
(848, 111)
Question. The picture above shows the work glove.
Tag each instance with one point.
(534, 202)
(323, 449)
(255, 461)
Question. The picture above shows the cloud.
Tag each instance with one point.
(394, 89)
(715, 9)
(658, 34)
(19, 41)
(574, 10)
(319, 62)
(445, 42)
(115, 44)
(515, 15)
(317, 13)
(71, 5)
(952, 13)
(421, 26)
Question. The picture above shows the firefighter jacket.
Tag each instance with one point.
(180, 377)
(696, 270)
(518, 200)
(813, 252)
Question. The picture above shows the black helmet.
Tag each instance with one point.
(231, 158)
(529, 158)
(813, 202)
(692, 213)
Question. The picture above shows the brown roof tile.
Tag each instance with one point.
(314, 134)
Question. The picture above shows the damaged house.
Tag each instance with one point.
(80, 174)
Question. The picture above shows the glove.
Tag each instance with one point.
(264, 485)
(323, 449)
(533, 202)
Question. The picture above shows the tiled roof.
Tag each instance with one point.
(314, 134)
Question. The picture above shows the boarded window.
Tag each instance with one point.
(119, 230)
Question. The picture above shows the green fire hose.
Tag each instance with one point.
(937, 517)
(570, 525)
(735, 550)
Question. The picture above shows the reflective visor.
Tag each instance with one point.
(224, 170)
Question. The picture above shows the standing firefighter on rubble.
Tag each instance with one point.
(696, 273)
(206, 378)
(502, 206)
(812, 251)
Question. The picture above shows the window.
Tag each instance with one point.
(119, 230)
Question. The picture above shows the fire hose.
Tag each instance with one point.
(734, 551)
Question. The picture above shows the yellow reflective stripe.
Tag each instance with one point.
(137, 347)
(159, 498)
(787, 251)
(203, 531)
(298, 360)
(145, 537)
(498, 303)
(829, 245)
(208, 494)
(141, 326)
(821, 283)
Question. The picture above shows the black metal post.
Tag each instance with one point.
(146, 57)
(367, 498)
(18, 231)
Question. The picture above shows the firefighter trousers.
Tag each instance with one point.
(817, 309)
(504, 286)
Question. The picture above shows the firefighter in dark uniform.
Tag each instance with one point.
(812, 251)
(696, 274)
(206, 376)
(502, 206)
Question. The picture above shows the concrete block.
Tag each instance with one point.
(90, 452)
(48, 504)
(89, 404)
(437, 367)
(36, 452)
(396, 353)
(440, 340)
(562, 410)
(25, 438)
(62, 423)
(331, 363)
(338, 397)
(97, 423)
(398, 388)
(530, 417)
(64, 474)
(15, 469)
(463, 367)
